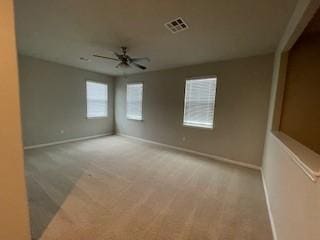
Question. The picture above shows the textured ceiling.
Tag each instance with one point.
(63, 31)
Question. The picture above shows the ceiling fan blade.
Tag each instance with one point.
(117, 55)
(139, 66)
(99, 56)
(144, 59)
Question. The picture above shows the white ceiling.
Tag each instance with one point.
(63, 31)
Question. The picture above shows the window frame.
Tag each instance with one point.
(204, 126)
(107, 99)
(142, 115)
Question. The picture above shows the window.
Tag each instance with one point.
(199, 102)
(134, 101)
(97, 99)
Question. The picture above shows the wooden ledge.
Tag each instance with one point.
(305, 158)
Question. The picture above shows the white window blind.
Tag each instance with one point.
(134, 101)
(199, 102)
(97, 99)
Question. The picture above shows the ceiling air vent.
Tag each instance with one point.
(176, 25)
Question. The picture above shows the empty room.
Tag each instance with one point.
(167, 120)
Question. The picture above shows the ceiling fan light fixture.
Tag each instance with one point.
(123, 65)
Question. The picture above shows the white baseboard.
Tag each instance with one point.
(67, 141)
(222, 159)
(273, 227)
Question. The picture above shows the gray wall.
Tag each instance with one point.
(240, 115)
(53, 98)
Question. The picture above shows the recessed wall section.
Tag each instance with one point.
(301, 105)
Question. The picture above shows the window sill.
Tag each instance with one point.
(198, 126)
(135, 119)
(305, 158)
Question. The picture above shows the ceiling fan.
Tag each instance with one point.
(125, 60)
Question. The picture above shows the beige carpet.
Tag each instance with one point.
(120, 189)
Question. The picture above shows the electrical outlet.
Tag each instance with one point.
(184, 139)
(61, 131)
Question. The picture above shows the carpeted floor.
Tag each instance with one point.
(121, 189)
